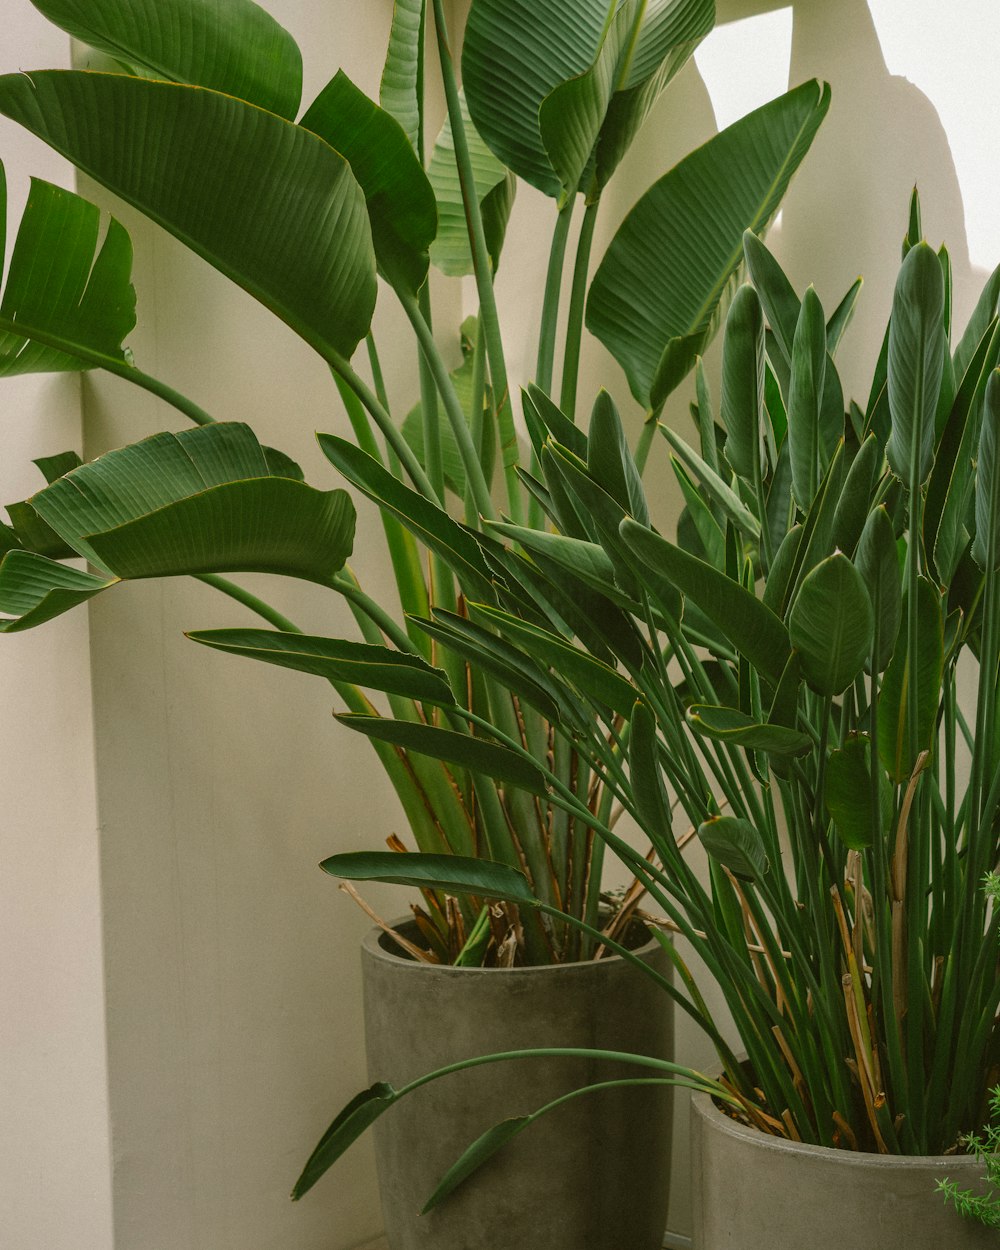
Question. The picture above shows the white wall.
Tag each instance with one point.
(55, 1159)
(233, 1007)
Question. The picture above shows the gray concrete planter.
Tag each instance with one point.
(590, 1176)
(754, 1192)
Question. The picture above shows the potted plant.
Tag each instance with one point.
(796, 697)
(343, 197)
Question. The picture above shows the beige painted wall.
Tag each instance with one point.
(232, 992)
(55, 1160)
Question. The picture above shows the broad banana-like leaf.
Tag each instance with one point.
(336, 659)
(896, 747)
(831, 625)
(266, 202)
(67, 303)
(851, 512)
(495, 187)
(737, 845)
(877, 561)
(655, 298)
(235, 47)
(669, 33)
(916, 361)
(743, 383)
(202, 501)
(400, 200)
(401, 89)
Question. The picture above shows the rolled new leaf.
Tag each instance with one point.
(986, 548)
(830, 625)
(807, 440)
(236, 48)
(915, 364)
(743, 383)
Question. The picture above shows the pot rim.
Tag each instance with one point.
(703, 1106)
(372, 946)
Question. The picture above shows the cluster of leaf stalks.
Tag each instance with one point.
(349, 198)
(785, 681)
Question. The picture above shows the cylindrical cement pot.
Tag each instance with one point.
(592, 1175)
(755, 1192)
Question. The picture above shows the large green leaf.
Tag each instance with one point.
(359, 1114)
(67, 303)
(848, 793)
(987, 307)
(831, 624)
(495, 187)
(336, 659)
(234, 47)
(194, 161)
(878, 563)
(454, 874)
(655, 299)
(203, 501)
(916, 360)
(400, 200)
(516, 53)
(896, 746)
(727, 724)
(808, 441)
(670, 32)
(401, 89)
(478, 755)
(751, 627)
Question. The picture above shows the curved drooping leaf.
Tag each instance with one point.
(359, 1114)
(203, 501)
(752, 628)
(896, 747)
(830, 625)
(517, 52)
(67, 303)
(737, 845)
(474, 1156)
(193, 160)
(401, 88)
(399, 197)
(337, 659)
(743, 383)
(727, 724)
(454, 874)
(986, 548)
(495, 187)
(915, 363)
(663, 278)
(235, 47)
(431, 524)
(497, 762)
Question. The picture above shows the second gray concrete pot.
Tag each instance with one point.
(755, 1192)
(590, 1176)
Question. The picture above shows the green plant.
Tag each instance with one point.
(194, 118)
(783, 681)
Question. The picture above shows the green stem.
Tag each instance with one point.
(646, 440)
(550, 303)
(347, 585)
(249, 600)
(577, 304)
(429, 405)
(483, 269)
